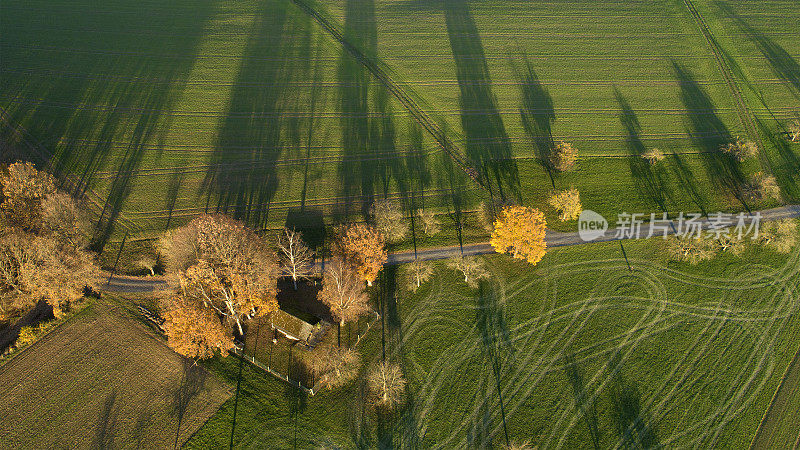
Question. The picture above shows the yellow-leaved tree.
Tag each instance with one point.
(520, 231)
(364, 248)
(226, 275)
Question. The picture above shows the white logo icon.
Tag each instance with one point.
(591, 225)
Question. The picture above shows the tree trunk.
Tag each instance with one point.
(294, 279)
(369, 283)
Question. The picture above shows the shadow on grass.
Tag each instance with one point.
(783, 64)
(633, 425)
(585, 405)
(537, 115)
(651, 180)
(370, 166)
(243, 172)
(94, 105)
(709, 133)
(193, 381)
(496, 340)
(487, 143)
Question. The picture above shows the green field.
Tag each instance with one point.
(584, 352)
(164, 111)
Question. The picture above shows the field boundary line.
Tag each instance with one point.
(416, 112)
(58, 326)
(795, 361)
(744, 113)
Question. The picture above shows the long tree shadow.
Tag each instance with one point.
(243, 170)
(584, 404)
(651, 181)
(783, 64)
(537, 115)
(487, 143)
(370, 164)
(91, 105)
(787, 169)
(192, 383)
(633, 426)
(709, 133)
(495, 339)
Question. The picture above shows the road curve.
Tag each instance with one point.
(126, 284)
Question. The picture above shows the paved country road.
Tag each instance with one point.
(125, 284)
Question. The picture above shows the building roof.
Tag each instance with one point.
(290, 326)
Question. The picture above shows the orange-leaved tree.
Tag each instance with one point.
(520, 231)
(223, 270)
(364, 248)
(43, 240)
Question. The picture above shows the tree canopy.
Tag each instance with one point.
(43, 243)
(363, 247)
(520, 231)
(225, 272)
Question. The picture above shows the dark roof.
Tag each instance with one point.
(291, 326)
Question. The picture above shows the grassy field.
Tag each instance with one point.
(164, 111)
(103, 380)
(576, 353)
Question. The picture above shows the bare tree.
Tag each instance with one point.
(691, 249)
(333, 366)
(563, 157)
(471, 267)
(430, 224)
(653, 156)
(762, 187)
(780, 235)
(343, 292)
(740, 150)
(297, 260)
(387, 385)
(417, 272)
(794, 130)
(389, 219)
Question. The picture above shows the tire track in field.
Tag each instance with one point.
(532, 363)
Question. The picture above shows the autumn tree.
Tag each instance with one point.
(223, 269)
(520, 231)
(563, 157)
(333, 366)
(471, 268)
(43, 243)
(389, 219)
(387, 386)
(430, 224)
(416, 273)
(343, 292)
(297, 260)
(363, 247)
(567, 203)
(24, 189)
(34, 267)
(779, 235)
(195, 330)
(761, 187)
(740, 150)
(653, 156)
(794, 130)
